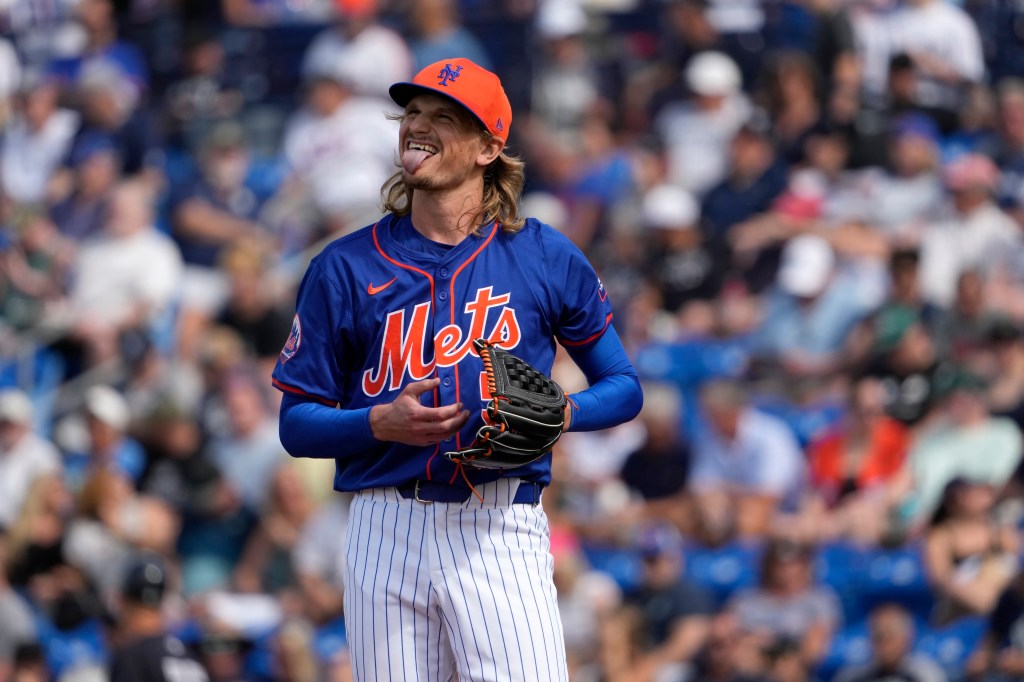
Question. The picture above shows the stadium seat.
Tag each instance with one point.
(850, 646)
(723, 570)
(897, 575)
(951, 645)
(621, 564)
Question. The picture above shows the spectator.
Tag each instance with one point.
(34, 270)
(125, 280)
(16, 625)
(680, 262)
(944, 46)
(93, 172)
(210, 214)
(676, 614)
(787, 605)
(657, 470)
(339, 146)
(24, 456)
(892, 640)
(145, 650)
(974, 236)
(948, 451)
(747, 466)
(98, 19)
(728, 654)
(969, 557)
(108, 446)
(812, 311)
(696, 133)
(1000, 653)
(792, 94)
(318, 558)
(854, 469)
(964, 327)
(376, 55)
(1006, 374)
(1010, 157)
(35, 142)
(439, 35)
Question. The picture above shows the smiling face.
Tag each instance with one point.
(442, 145)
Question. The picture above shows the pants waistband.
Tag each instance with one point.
(432, 491)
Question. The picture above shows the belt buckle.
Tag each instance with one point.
(416, 493)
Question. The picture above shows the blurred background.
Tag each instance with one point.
(808, 215)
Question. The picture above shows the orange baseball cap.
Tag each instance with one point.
(471, 85)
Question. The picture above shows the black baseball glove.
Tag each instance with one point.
(524, 416)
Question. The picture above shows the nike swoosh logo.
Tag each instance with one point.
(371, 290)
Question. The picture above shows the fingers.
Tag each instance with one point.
(433, 430)
(418, 388)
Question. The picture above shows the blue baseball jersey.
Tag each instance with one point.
(384, 307)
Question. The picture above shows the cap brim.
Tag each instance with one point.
(403, 93)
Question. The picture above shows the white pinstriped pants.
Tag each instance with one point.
(432, 589)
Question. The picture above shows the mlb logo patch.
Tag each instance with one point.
(294, 340)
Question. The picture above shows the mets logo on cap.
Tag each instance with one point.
(468, 84)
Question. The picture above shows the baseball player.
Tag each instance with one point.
(418, 361)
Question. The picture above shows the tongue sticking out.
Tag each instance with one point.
(412, 158)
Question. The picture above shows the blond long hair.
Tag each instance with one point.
(503, 187)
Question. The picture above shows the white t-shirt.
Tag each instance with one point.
(115, 274)
(942, 30)
(31, 458)
(344, 158)
(370, 62)
(29, 158)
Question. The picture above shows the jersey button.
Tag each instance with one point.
(443, 272)
(443, 295)
(447, 381)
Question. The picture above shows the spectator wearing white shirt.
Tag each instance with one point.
(943, 43)
(24, 455)
(747, 465)
(35, 143)
(126, 278)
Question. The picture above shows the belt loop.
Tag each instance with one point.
(416, 494)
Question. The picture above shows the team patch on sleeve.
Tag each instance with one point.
(291, 346)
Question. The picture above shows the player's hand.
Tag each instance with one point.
(406, 420)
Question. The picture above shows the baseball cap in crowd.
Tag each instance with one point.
(659, 540)
(971, 171)
(560, 19)
(713, 74)
(108, 406)
(466, 83)
(669, 207)
(145, 581)
(917, 125)
(15, 406)
(807, 263)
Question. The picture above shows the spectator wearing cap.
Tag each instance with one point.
(682, 266)
(787, 606)
(125, 280)
(892, 640)
(675, 613)
(35, 143)
(145, 651)
(951, 450)
(944, 46)
(438, 34)
(812, 310)
(24, 455)
(93, 170)
(747, 466)
(976, 235)
(696, 133)
(378, 55)
(211, 213)
(108, 446)
(339, 147)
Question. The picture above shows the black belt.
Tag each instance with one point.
(430, 491)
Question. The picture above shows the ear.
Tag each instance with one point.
(489, 151)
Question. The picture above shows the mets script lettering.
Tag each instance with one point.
(448, 74)
(403, 347)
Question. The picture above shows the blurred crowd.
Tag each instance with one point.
(809, 215)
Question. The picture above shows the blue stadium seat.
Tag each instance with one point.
(841, 566)
(897, 575)
(723, 570)
(850, 646)
(951, 645)
(622, 565)
(66, 650)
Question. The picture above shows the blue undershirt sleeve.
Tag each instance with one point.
(310, 429)
(614, 395)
